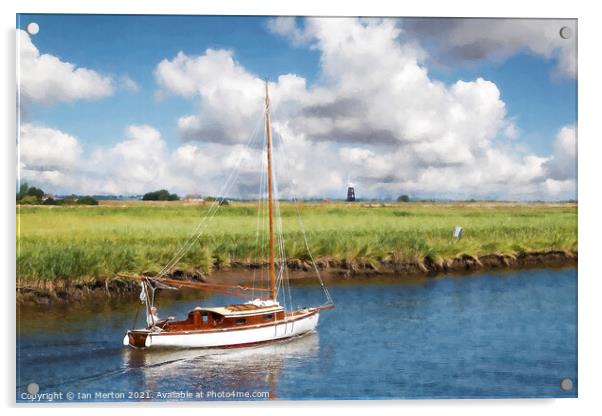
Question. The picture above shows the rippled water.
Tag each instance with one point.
(489, 335)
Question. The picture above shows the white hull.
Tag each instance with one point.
(232, 337)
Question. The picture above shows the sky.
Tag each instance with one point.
(432, 108)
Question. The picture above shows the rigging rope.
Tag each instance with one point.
(200, 228)
(284, 157)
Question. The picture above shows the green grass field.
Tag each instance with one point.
(94, 243)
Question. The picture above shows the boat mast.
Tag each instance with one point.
(271, 212)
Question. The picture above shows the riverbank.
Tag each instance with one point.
(65, 291)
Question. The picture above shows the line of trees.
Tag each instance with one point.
(31, 195)
(36, 196)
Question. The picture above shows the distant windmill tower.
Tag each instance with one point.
(350, 192)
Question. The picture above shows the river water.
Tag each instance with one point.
(491, 335)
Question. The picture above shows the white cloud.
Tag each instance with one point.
(220, 82)
(376, 115)
(476, 39)
(45, 79)
(48, 156)
(128, 84)
(562, 166)
(564, 189)
(55, 160)
(232, 99)
(47, 149)
(287, 27)
(511, 131)
(392, 102)
(139, 163)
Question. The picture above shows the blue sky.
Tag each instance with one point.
(538, 101)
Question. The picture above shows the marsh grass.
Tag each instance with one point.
(97, 242)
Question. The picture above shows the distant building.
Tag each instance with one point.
(350, 193)
(194, 198)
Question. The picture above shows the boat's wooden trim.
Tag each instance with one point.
(228, 313)
(137, 339)
(295, 316)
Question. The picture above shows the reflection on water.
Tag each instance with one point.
(241, 369)
(491, 335)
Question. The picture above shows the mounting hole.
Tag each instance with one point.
(566, 32)
(33, 28)
(33, 388)
(566, 384)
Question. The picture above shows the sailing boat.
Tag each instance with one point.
(260, 320)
